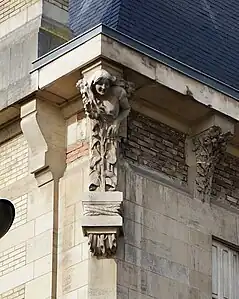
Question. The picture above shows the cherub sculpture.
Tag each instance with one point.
(106, 102)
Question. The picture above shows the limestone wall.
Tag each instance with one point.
(167, 244)
(13, 251)
(28, 29)
(26, 251)
(73, 253)
(166, 250)
(73, 248)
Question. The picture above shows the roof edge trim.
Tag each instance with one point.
(139, 47)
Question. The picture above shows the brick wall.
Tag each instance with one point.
(76, 151)
(9, 8)
(156, 145)
(12, 259)
(225, 186)
(77, 138)
(63, 4)
(13, 160)
(20, 204)
(16, 293)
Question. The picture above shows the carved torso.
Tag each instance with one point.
(106, 103)
(111, 101)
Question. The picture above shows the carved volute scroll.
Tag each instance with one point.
(106, 103)
(208, 147)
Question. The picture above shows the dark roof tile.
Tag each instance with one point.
(203, 34)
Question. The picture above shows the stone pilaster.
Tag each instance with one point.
(105, 97)
(206, 146)
(44, 129)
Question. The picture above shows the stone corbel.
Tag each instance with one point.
(44, 129)
(208, 144)
(105, 96)
(102, 221)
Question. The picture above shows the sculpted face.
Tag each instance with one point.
(102, 85)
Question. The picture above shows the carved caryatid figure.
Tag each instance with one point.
(106, 102)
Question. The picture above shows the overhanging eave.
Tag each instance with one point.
(102, 41)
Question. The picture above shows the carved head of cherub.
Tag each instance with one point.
(101, 82)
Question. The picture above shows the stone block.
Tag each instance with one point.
(39, 246)
(18, 235)
(72, 295)
(167, 247)
(68, 236)
(74, 255)
(166, 225)
(133, 232)
(40, 201)
(75, 277)
(102, 279)
(141, 64)
(71, 133)
(43, 265)
(82, 292)
(44, 223)
(164, 267)
(200, 239)
(40, 287)
(101, 197)
(128, 275)
(16, 278)
(133, 211)
(200, 281)
(201, 260)
(122, 292)
(135, 295)
(95, 222)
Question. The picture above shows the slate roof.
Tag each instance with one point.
(203, 34)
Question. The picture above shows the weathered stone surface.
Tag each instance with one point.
(102, 221)
(168, 235)
(209, 146)
(106, 103)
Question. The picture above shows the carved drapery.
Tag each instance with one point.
(208, 147)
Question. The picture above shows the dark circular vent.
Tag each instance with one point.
(7, 214)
